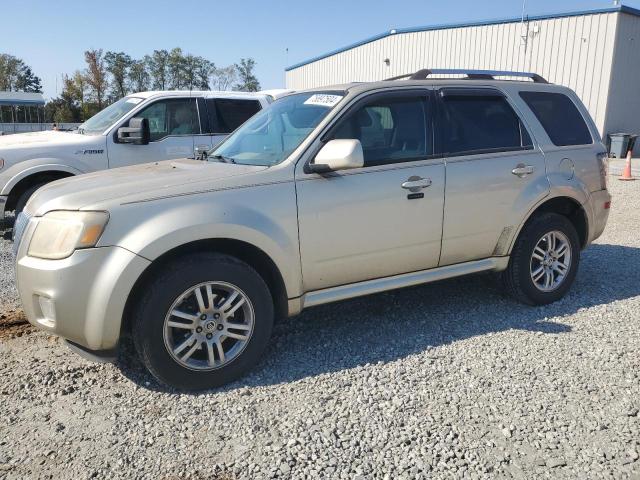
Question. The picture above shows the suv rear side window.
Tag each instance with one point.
(227, 114)
(391, 129)
(560, 118)
(474, 124)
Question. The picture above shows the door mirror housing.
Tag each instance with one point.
(137, 133)
(338, 155)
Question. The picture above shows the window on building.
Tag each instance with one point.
(559, 116)
(390, 129)
(480, 123)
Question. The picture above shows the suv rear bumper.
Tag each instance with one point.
(80, 298)
(597, 208)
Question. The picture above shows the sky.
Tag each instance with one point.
(52, 36)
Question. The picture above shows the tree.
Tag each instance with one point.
(175, 65)
(223, 78)
(15, 75)
(139, 77)
(118, 65)
(158, 66)
(203, 71)
(96, 75)
(247, 80)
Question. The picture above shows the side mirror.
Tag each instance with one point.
(337, 155)
(137, 133)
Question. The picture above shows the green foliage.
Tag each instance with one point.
(118, 64)
(15, 75)
(247, 79)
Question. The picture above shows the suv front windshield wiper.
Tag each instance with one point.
(222, 158)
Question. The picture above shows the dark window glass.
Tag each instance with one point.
(171, 117)
(227, 114)
(481, 124)
(560, 118)
(390, 129)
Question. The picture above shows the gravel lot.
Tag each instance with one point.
(442, 381)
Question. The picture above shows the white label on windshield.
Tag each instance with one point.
(134, 100)
(323, 99)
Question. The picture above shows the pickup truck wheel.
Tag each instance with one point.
(26, 195)
(203, 322)
(544, 261)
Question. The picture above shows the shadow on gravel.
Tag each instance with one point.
(393, 325)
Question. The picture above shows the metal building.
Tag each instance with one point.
(596, 53)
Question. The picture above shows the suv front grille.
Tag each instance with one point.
(18, 230)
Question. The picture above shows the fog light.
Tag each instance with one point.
(48, 311)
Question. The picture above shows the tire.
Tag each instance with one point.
(518, 278)
(155, 338)
(26, 195)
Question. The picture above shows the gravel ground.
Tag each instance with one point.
(447, 380)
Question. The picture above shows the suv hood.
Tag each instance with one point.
(138, 183)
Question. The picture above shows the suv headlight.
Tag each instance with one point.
(58, 234)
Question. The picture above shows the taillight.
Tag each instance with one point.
(603, 164)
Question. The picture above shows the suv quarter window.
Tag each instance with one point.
(559, 117)
(227, 114)
(172, 116)
(392, 127)
(473, 121)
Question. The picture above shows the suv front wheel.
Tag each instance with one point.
(544, 261)
(203, 322)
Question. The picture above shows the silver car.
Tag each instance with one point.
(325, 195)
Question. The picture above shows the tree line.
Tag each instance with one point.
(109, 76)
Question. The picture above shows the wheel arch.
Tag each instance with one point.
(248, 253)
(26, 179)
(566, 206)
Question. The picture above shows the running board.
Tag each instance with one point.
(368, 287)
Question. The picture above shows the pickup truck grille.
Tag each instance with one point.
(18, 230)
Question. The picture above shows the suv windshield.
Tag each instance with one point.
(271, 135)
(105, 118)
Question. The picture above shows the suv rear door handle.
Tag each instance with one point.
(521, 170)
(415, 184)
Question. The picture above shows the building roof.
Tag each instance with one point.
(426, 28)
(21, 98)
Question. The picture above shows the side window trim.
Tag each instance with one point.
(426, 93)
(488, 92)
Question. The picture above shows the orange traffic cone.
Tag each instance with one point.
(626, 174)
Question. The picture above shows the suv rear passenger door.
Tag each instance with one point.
(495, 174)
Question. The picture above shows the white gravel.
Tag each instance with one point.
(442, 381)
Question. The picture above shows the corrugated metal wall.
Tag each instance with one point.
(623, 109)
(575, 51)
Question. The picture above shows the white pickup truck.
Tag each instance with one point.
(139, 128)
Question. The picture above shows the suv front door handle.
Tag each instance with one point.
(416, 183)
(521, 170)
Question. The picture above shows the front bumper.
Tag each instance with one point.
(80, 298)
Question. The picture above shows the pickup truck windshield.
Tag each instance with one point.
(105, 118)
(271, 135)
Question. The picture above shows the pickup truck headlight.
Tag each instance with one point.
(58, 234)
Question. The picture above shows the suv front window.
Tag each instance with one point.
(271, 135)
(106, 117)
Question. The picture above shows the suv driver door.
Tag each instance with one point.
(368, 223)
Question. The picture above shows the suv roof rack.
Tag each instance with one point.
(471, 74)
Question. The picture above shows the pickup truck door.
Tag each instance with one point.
(174, 124)
(495, 174)
(385, 218)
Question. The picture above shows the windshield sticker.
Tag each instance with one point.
(134, 100)
(323, 99)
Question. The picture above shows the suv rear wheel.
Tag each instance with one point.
(544, 261)
(203, 322)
